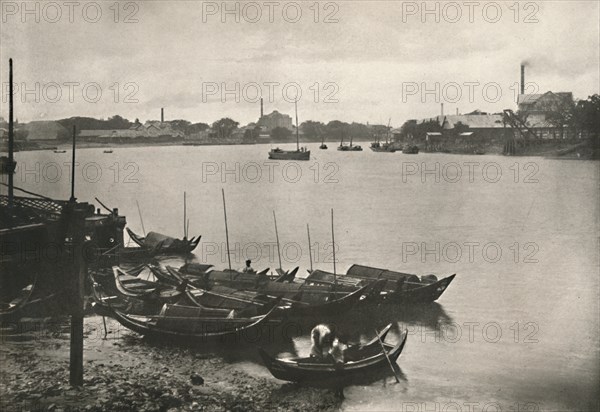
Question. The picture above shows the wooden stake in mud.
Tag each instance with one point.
(11, 137)
(73, 168)
(79, 273)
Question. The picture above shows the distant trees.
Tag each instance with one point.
(251, 134)
(413, 130)
(224, 127)
(313, 130)
(89, 123)
(281, 133)
(585, 117)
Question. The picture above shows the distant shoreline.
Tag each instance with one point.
(550, 149)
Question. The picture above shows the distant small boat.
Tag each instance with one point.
(350, 148)
(323, 145)
(386, 147)
(60, 151)
(108, 151)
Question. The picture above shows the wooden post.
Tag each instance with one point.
(73, 168)
(11, 137)
(77, 294)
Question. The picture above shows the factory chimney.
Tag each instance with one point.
(261, 107)
(442, 111)
(457, 111)
(522, 79)
(162, 114)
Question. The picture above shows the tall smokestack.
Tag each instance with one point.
(162, 114)
(522, 79)
(442, 111)
(261, 107)
(457, 111)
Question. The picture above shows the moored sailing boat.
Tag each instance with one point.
(298, 154)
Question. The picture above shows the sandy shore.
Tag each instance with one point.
(125, 372)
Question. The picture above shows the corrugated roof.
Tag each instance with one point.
(475, 121)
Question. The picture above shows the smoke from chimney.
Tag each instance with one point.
(162, 114)
(522, 78)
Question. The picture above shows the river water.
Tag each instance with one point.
(518, 329)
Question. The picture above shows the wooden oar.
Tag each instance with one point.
(387, 357)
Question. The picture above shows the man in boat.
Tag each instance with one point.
(248, 268)
(325, 345)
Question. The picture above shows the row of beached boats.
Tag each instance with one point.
(197, 302)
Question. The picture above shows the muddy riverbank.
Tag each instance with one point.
(126, 372)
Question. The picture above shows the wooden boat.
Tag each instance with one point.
(107, 151)
(60, 151)
(134, 287)
(168, 245)
(323, 145)
(302, 299)
(357, 360)
(196, 323)
(398, 287)
(298, 154)
(385, 147)
(11, 309)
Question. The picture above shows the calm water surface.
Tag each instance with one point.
(518, 328)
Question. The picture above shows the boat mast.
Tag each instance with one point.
(277, 237)
(309, 249)
(10, 134)
(297, 137)
(140, 213)
(226, 229)
(388, 131)
(184, 218)
(333, 242)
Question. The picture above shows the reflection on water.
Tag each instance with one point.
(516, 327)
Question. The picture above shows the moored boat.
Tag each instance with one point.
(177, 322)
(163, 244)
(301, 153)
(357, 360)
(398, 287)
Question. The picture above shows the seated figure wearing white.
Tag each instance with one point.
(325, 346)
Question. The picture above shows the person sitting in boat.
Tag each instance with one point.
(248, 268)
(325, 345)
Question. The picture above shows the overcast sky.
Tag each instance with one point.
(369, 62)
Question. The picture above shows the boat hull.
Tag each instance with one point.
(289, 155)
(313, 372)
